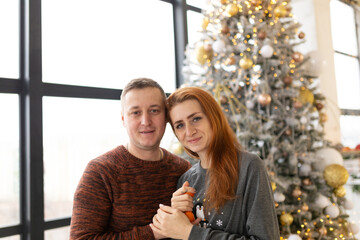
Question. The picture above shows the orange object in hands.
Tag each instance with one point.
(190, 214)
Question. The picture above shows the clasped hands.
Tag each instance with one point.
(171, 222)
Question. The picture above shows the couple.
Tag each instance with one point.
(130, 191)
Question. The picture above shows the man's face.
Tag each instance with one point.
(143, 116)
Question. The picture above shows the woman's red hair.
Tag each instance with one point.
(223, 150)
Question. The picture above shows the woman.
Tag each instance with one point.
(233, 198)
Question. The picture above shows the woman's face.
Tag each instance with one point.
(192, 127)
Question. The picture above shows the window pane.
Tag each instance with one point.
(350, 130)
(347, 81)
(194, 27)
(17, 237)
(9, 159)
(9, 40)
(199, 3)
(344, 38)
(106, 43)
(75, 132)
(57, 233)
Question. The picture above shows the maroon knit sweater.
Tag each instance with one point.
(119, 194)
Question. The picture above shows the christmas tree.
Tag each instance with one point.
(249, 57)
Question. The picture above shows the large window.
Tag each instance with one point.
(63, 64)
(345, 34)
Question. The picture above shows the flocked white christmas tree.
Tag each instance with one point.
(247, 58)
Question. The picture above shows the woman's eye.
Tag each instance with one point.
(196, 119)
(179, 126)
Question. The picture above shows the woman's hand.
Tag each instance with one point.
(171, 222)
(182, 201)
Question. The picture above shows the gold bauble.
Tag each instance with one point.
(280, 11)
(264, 99)
(298, 57)
(306, 96)
(335, 175)
(245, 63)
(323, 117)
(273, 186)
(205, 23)
(256, 2)
(286, 219)
(203, 54)
(232, 9)
(340, 191)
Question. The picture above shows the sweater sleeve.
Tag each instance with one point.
(261, 220)
(92, 210)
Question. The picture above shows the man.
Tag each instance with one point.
(120, 191)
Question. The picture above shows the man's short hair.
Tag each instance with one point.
(141, 83)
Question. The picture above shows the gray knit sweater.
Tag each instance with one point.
(250, 216)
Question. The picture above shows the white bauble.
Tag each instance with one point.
(303, 120)
(348, 204)
(354, 228)
(219, 46)
(249, 104)
(333, 211)
(279, 197)
(267, 51)
(327, 156)
(294, 237)
(321, 201)
(305, 170)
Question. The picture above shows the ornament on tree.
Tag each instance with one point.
(297, 104)
(333, 211)
(223, 2)
(267, 51)
(279, 197)
(245, 63)
(219, 46)
(321, 201)
(306, 182)
(296, 192)
(340, 191)
(232, 9)
(204, 53)
(287, 80)
(249, 104)
(223, 100)
(280, 11)
(294, 237)
(306, 96)
(301, 35)
(319, 106)
(304, 170)
(225, 29)
(262, 35)
(348, 204)
(286, 219)
(298, 57)
(305, 207)
(256, 2)
(335, 175)
(230, 61)
(264, 99)
(354, 228)
(327, 156)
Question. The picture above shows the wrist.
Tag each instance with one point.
(187, 232)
